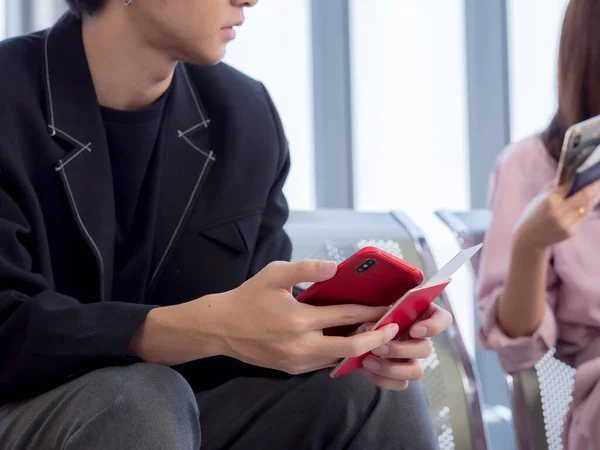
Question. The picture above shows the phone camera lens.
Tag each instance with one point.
(577, 140)
(366, 265)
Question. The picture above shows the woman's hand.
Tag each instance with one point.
(551, 218)
(548, 219)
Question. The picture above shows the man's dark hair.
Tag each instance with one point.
(83, 8)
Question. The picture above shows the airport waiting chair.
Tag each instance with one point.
(540, 395)
(449, 380)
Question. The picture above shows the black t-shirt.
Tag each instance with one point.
(132, 138)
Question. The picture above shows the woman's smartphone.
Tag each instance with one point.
(370, 277)
(579, 143)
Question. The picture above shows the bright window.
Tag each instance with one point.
(409, 105)
(275, 47)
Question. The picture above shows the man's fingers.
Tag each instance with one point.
(364, 327)
(410, 370)
(357, 345)
(283, 274)
(439, 321)
(386, 383)
(411, 349)
(322, 317)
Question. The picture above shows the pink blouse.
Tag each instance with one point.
(571, 321)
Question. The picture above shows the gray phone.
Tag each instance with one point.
(580, 141)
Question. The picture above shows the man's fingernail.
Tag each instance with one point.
(371, 364)
(382, 350)
(327, 268)
(393, 330)
(418, 332)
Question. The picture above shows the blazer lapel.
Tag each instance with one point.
(187, 159)
(74, 118)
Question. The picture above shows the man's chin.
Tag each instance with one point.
(205, 58)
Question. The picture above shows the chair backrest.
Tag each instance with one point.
(541, 399)
(449, 379)
(469, 228)
(540, 395)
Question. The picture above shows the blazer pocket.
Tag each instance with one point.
(237, 235)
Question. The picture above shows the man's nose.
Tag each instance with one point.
(245, 3)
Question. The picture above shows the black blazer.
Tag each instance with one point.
(220, 215)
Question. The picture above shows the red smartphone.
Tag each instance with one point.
(375, 278)
(370, 277)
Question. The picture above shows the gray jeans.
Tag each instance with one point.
(148, 406)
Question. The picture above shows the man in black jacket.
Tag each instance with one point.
(141, 212)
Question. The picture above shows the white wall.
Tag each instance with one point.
(533, 37)
(410, 105)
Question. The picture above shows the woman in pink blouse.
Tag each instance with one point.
(539, 284)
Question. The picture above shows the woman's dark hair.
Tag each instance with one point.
(578, 72)
(83, 8)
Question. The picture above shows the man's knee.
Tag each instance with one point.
(138, 406)
(380, 415)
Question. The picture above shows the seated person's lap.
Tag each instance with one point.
(152, 406)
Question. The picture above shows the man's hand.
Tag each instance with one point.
(262, 324)
(267, 327)
(393, 365)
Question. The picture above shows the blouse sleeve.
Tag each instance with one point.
(512, 187)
